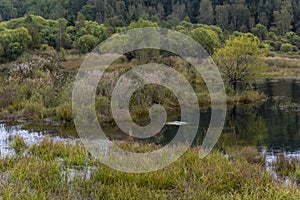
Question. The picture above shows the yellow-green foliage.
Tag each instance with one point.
(18, 144)
(13, 43)
(207, 38)
(72, 154)
(250, 96)
(240, 60)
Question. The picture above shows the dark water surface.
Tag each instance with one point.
(273, 124)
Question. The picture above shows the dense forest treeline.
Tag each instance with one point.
(280, 16)
(33, 32)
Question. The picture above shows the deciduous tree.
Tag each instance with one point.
(240, 60)
(86, 43)
(207, 38)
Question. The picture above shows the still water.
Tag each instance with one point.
(272, 125)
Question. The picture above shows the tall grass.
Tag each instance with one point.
(39, 174)
(283, 62)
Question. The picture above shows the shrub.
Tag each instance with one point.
(86, 43)
(34, 108)
(286, 47)
(74, 52)
(275, 45)
(251, 96)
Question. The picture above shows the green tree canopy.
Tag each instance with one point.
(141, 23)
(240, 60)
(86, 43)
(13, 43)
(207, 38)
(260, 31)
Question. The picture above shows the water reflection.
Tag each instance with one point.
(273, 124)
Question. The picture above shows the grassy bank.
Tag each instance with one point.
(46, 171)
(283, 65)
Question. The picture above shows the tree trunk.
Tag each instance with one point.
(234, 84)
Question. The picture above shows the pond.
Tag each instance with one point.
(272, 125)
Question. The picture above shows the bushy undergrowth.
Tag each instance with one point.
(41, 173)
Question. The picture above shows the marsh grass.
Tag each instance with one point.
(249, 153)
(287, 167)
(246, 97)
(18, 144)
(283, 62)
(283, 65)
(38, 174)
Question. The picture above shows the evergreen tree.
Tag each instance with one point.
(284, 17)
(240, 15)
(222, 15)
(179, 11)
(206, 12)
(263, 19)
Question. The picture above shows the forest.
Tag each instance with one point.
(35, 32)
(279, 16)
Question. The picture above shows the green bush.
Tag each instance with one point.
(275, 45)
(34, 108)
(286, 47)
(86, 43)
